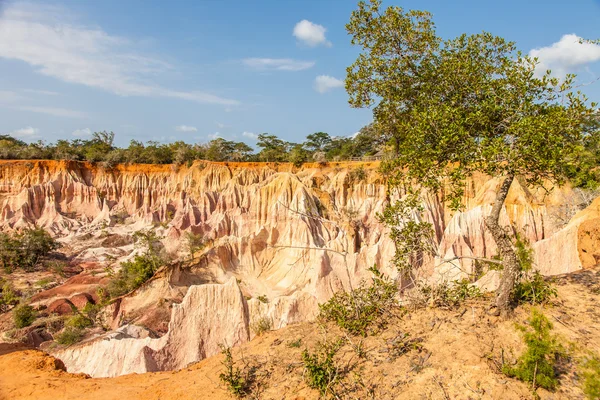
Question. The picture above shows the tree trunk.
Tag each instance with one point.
(511, 270)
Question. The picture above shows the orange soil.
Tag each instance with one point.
(458, 358)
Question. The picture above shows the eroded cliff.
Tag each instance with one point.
(292, 236)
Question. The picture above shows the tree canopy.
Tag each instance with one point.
(463, 105)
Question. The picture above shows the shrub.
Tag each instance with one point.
(79, 321)
(591, 378)
(23, 316)
(263, 299)
(358, 310)
(70, 335)
(357, 175)
(443, 295)
(322, 373)
(8, 296)
(536, 364)
(534, 289)
(133, 274)
(232, 377)
(261, 325)
(25, 249)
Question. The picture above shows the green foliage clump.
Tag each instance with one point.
(443, 295)
(194, 242)
(321, 371)
(233, 376)
(591, 377)
(133, 274)
(70, 335)
(534, 289)
(261, 325)
(263, 298)
(23, 316)
(412, 236)
(8, 296)
(143, 266)
(79, 321)
(358, 310)
(536, 364)
(357, 175)
(25, 249)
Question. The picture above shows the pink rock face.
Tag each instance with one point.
(61, 307)
(81, 300)
(293, 236)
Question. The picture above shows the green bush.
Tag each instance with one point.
(232, 377)
(79, 321)
(536, 364)
(133, 274)
(8, 296)
(534, 289)
(25, 249)
(591, 378)
(23, 316)
(70, 335)
(357, 175)
(321, 371)
(358, 310)
(261, 325)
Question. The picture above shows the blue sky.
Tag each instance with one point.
(195, 70)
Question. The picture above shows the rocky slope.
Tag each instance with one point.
(292, 236)
(457, 357)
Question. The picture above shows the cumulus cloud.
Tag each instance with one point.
(250, 135)
(565, 56)
(186, 128)
(82, 132)
(213, 136)
(325, 83)
(54, 111)
(47, 39)
(24, 132)
(311, 34)
(280, 64)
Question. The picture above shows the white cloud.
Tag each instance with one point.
(82, 132)
(215, 135)
(7, 96)
(24, 132)
(45, 38)
(325, 83)
(565, 56)
(54, 111)
(42, 92)
(220, 125)
(311, 34)
(280, 64)
(250, 135)
(186, 128)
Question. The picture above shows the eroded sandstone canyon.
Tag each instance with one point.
(280, 240)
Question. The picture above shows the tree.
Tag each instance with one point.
(460, 106)
(25, 249)
(220, 149)
(273, 148)
(99, 146)
(241, 151)
(318, 141)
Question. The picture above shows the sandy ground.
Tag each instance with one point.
(456, 358)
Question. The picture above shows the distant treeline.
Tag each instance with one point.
(100, 147)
